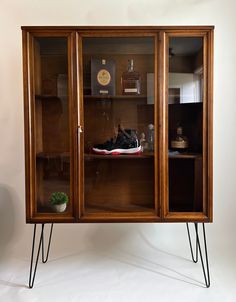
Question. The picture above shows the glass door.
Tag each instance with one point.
(186, 125)
(120, 137)
(52, 126)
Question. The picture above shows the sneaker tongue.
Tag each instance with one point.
(125, 133)
(119, 137)
(128, 131)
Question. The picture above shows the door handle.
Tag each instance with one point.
(80, 129)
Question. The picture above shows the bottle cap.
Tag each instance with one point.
(179, 130)
(142, 135)
(150, 126)
(131, 65)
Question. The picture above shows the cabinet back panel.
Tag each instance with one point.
(189, 116)
(185, 185)
(142, 63)
(119, 185)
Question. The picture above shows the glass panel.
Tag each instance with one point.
(118, 124)
(52, 125)
(185, 124)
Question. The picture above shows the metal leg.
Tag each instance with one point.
(40, 245)
(44, 260)
(195, 260)
(205, 265)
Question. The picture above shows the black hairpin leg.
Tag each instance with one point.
(49, 244)
(195, 260)
(40, 245)
(205, 265)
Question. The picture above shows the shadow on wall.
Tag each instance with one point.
(7, 218)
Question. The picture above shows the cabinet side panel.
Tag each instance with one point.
(210, 122)
(26, 123)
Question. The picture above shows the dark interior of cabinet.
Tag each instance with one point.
(189, 117)
(185, 185)
(185, 173)
(51, 120)
(123, 183)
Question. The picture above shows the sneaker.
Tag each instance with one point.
(126, 142)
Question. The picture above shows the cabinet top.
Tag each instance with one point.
(85, 28)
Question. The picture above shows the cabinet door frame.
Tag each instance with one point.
(32, 216)
(206, 215)
(117, 217)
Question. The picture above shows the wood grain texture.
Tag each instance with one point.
(26, 123)
(80, 133)
(158, 209)
(210, 123)
(128, 28)
(36, 125)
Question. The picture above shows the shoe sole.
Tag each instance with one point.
(118, 151)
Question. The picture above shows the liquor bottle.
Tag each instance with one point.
(151, 137)
(130, 80)
(102, 77)
(179, 142)
(143, 142)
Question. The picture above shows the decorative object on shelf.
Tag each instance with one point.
(150, 88)
(59, 201)
(179, 142)
(131, 80)
(62, 86)
(102, 77)
(143, 142)
(126, 142)
(151, 137)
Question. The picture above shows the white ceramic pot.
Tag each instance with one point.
(59, 207)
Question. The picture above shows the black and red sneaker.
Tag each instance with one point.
(126, 142)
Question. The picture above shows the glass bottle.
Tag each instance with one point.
(151, 137)
(179, 142)
(131, 80)
(143, 142)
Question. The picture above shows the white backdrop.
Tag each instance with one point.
(89, 244)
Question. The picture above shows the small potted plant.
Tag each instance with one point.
(59, 201)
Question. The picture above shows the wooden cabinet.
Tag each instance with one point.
(118, 119)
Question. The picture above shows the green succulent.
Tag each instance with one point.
(58, 198)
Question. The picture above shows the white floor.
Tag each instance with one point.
(142, 272)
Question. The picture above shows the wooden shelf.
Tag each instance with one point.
(185, 155)
(109, 97)
(116, 208)
(120, 156)
(186, 104)
(49, 155)
(88, 156)
(46, 97)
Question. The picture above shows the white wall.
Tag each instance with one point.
(15, 235)
(188, 84)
